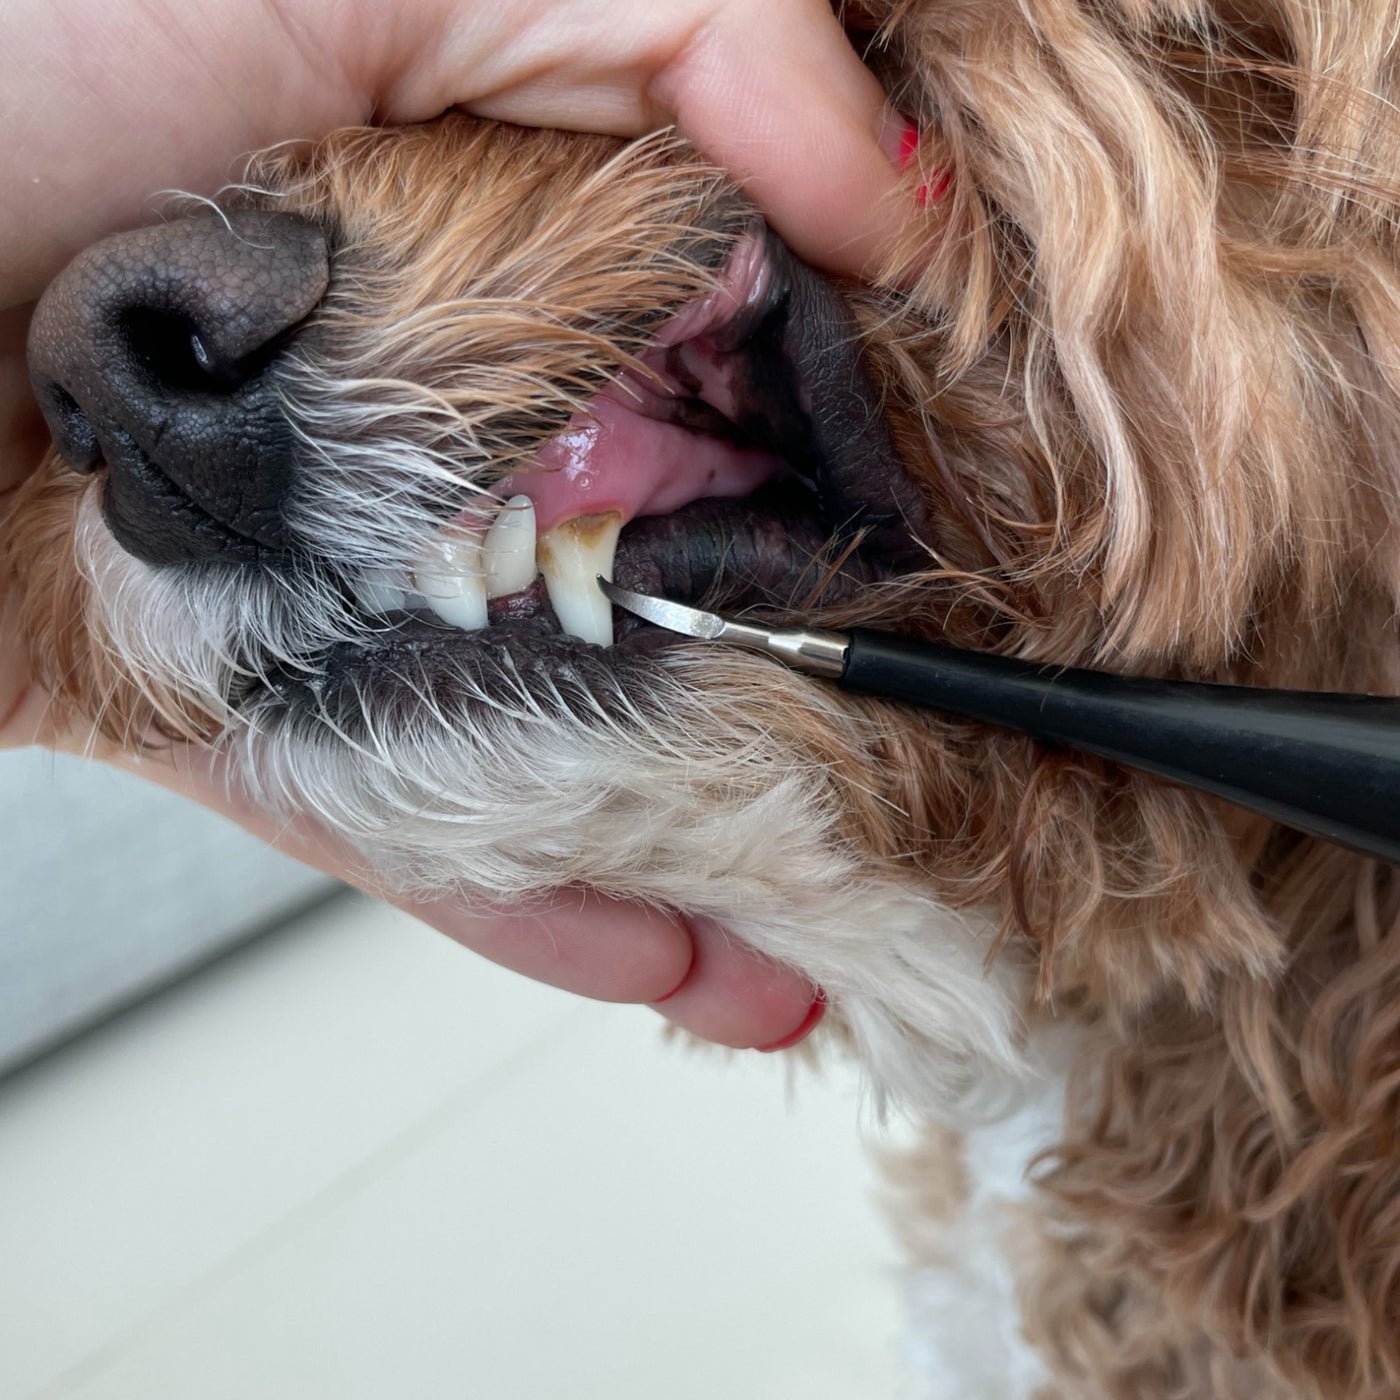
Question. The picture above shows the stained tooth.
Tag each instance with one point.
(509, 551)
(572, 555)
(381, 591)
(449, 577)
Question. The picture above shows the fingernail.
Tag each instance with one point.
(690, 967)
(899, 138)
(809, 1023)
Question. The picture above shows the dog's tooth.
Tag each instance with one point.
(449, 576)
(509, 551)
(382, 591)
(571, 556)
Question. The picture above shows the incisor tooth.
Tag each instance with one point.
(381, 591)
(572, 555)
(449, 576)
(509, 551)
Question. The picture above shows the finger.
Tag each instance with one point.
(22, 704)
(581, 942)
(736, 997)
(695, 973)
(22, 432)
(586, 944)
(776, 94)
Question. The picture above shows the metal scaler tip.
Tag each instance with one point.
(674, 617)
(802, 648)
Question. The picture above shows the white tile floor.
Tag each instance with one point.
(355, 1162)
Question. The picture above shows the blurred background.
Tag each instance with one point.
(262, 1137)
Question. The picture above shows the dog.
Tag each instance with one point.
(1128, 396)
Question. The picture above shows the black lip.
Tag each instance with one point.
(157, 522)
(763, 551)
(769, 550)
(804, 392)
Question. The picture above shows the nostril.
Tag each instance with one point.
(226, 374)
(176, 354)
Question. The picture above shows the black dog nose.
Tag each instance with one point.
(158, 353)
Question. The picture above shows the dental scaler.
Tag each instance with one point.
(1322, 763)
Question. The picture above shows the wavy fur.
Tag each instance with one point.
(1144, 369)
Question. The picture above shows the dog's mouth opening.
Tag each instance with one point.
(750, 465)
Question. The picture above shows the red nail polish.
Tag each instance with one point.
(690, 967)
(908, 146)
(936, 188)
(809, 1023)
(679, 985)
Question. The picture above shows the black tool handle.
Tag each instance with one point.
(1321, 763)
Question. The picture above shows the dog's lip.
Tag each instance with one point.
(784, 367)
(671, 555)
(726, 553)
(758, 383)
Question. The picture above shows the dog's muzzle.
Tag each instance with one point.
(741, 456)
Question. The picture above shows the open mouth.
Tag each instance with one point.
(746, 464)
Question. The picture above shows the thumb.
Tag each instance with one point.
(776, 94)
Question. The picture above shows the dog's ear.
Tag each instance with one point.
(1246, 1163)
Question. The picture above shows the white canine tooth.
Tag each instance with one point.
(381, 591)
(509, 551)
(572, 555)
(448, 574)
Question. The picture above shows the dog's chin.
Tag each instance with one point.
(748, 463)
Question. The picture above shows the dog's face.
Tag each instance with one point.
(336, 467)
(1133, 404)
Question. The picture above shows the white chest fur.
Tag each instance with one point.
(964, 1339)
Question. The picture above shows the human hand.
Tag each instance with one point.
(115, 103)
